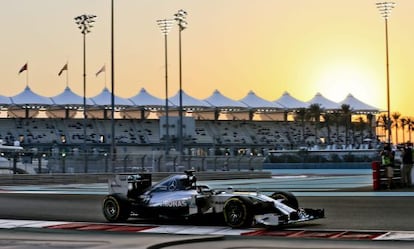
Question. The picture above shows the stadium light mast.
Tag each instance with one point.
(165, 27)
(385, 9)
(84, 23)
(180, 17)
(113, 152)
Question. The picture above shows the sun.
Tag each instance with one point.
(338, 80)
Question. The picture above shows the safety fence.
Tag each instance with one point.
(128, 162)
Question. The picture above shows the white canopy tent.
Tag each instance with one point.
(67, 104)
(357, 105)
(69, 98)
(262, 109)
(218, 100)
(255, 102)
(28, 97)
(145, 102)
(188, 101)
(145, 105)
(143, 98)
(5, 101)
(324, 103)
(225, 106)
(291, 103)
(104, 99)
(27, 104)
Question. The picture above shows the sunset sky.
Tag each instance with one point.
(267, 46)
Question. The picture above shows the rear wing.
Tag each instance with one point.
(129, 184)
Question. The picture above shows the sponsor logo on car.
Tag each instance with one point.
(175, 203)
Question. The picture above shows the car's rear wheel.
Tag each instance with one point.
(237, 212)
(287, 198)
(116, 208)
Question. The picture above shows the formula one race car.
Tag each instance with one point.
(179, 196)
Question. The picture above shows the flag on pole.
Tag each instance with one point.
(100, 70)
(24, 68)
(65, 67)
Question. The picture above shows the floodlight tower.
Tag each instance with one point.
(112, 91)
(385, 9)
(165, 27)
(84, 23)
(180, 17)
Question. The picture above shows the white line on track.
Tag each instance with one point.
(202, 230)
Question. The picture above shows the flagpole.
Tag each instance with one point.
(25, 68)
(27, 74)
(103, 69)
(105, 74)
(67, 74)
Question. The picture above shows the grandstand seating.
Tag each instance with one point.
(265, 134)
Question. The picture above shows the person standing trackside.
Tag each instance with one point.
(387, 160)
(407, 165)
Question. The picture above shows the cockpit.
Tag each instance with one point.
(175, 183)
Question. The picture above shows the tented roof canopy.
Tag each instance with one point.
(188, 100)
(253, 101)
(5, 101)
(104, 99)
(143, 98)
(291, 103)
(324, 102)
(358, 105)
(28, 97)
(218, 100)
(68, 97)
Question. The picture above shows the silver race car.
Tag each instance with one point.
(179, 196)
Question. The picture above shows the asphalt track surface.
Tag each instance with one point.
(350, 213)
(392, 212)
(355, 213)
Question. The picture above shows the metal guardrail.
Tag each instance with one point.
(128, 162)
(82, 178)
(154, 163)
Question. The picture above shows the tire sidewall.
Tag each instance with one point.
(246, 217)
(121, 208)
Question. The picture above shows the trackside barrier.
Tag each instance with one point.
(376, 174)
(127, 162)
(379, 178)
(79, 178)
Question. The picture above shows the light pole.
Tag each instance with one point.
(165, 26)
(385, 11)
(84, 23)
(180, 17)
(112, 91)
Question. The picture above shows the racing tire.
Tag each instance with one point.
(116, 208)
(238, 212)
(287, 198)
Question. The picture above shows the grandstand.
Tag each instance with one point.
(43, 133)
(214, 126)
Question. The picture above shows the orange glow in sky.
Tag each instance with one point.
(267, 46)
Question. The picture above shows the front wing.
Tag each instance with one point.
(274, 219)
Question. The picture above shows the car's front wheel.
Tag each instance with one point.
(116, 208)
(237, 212)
